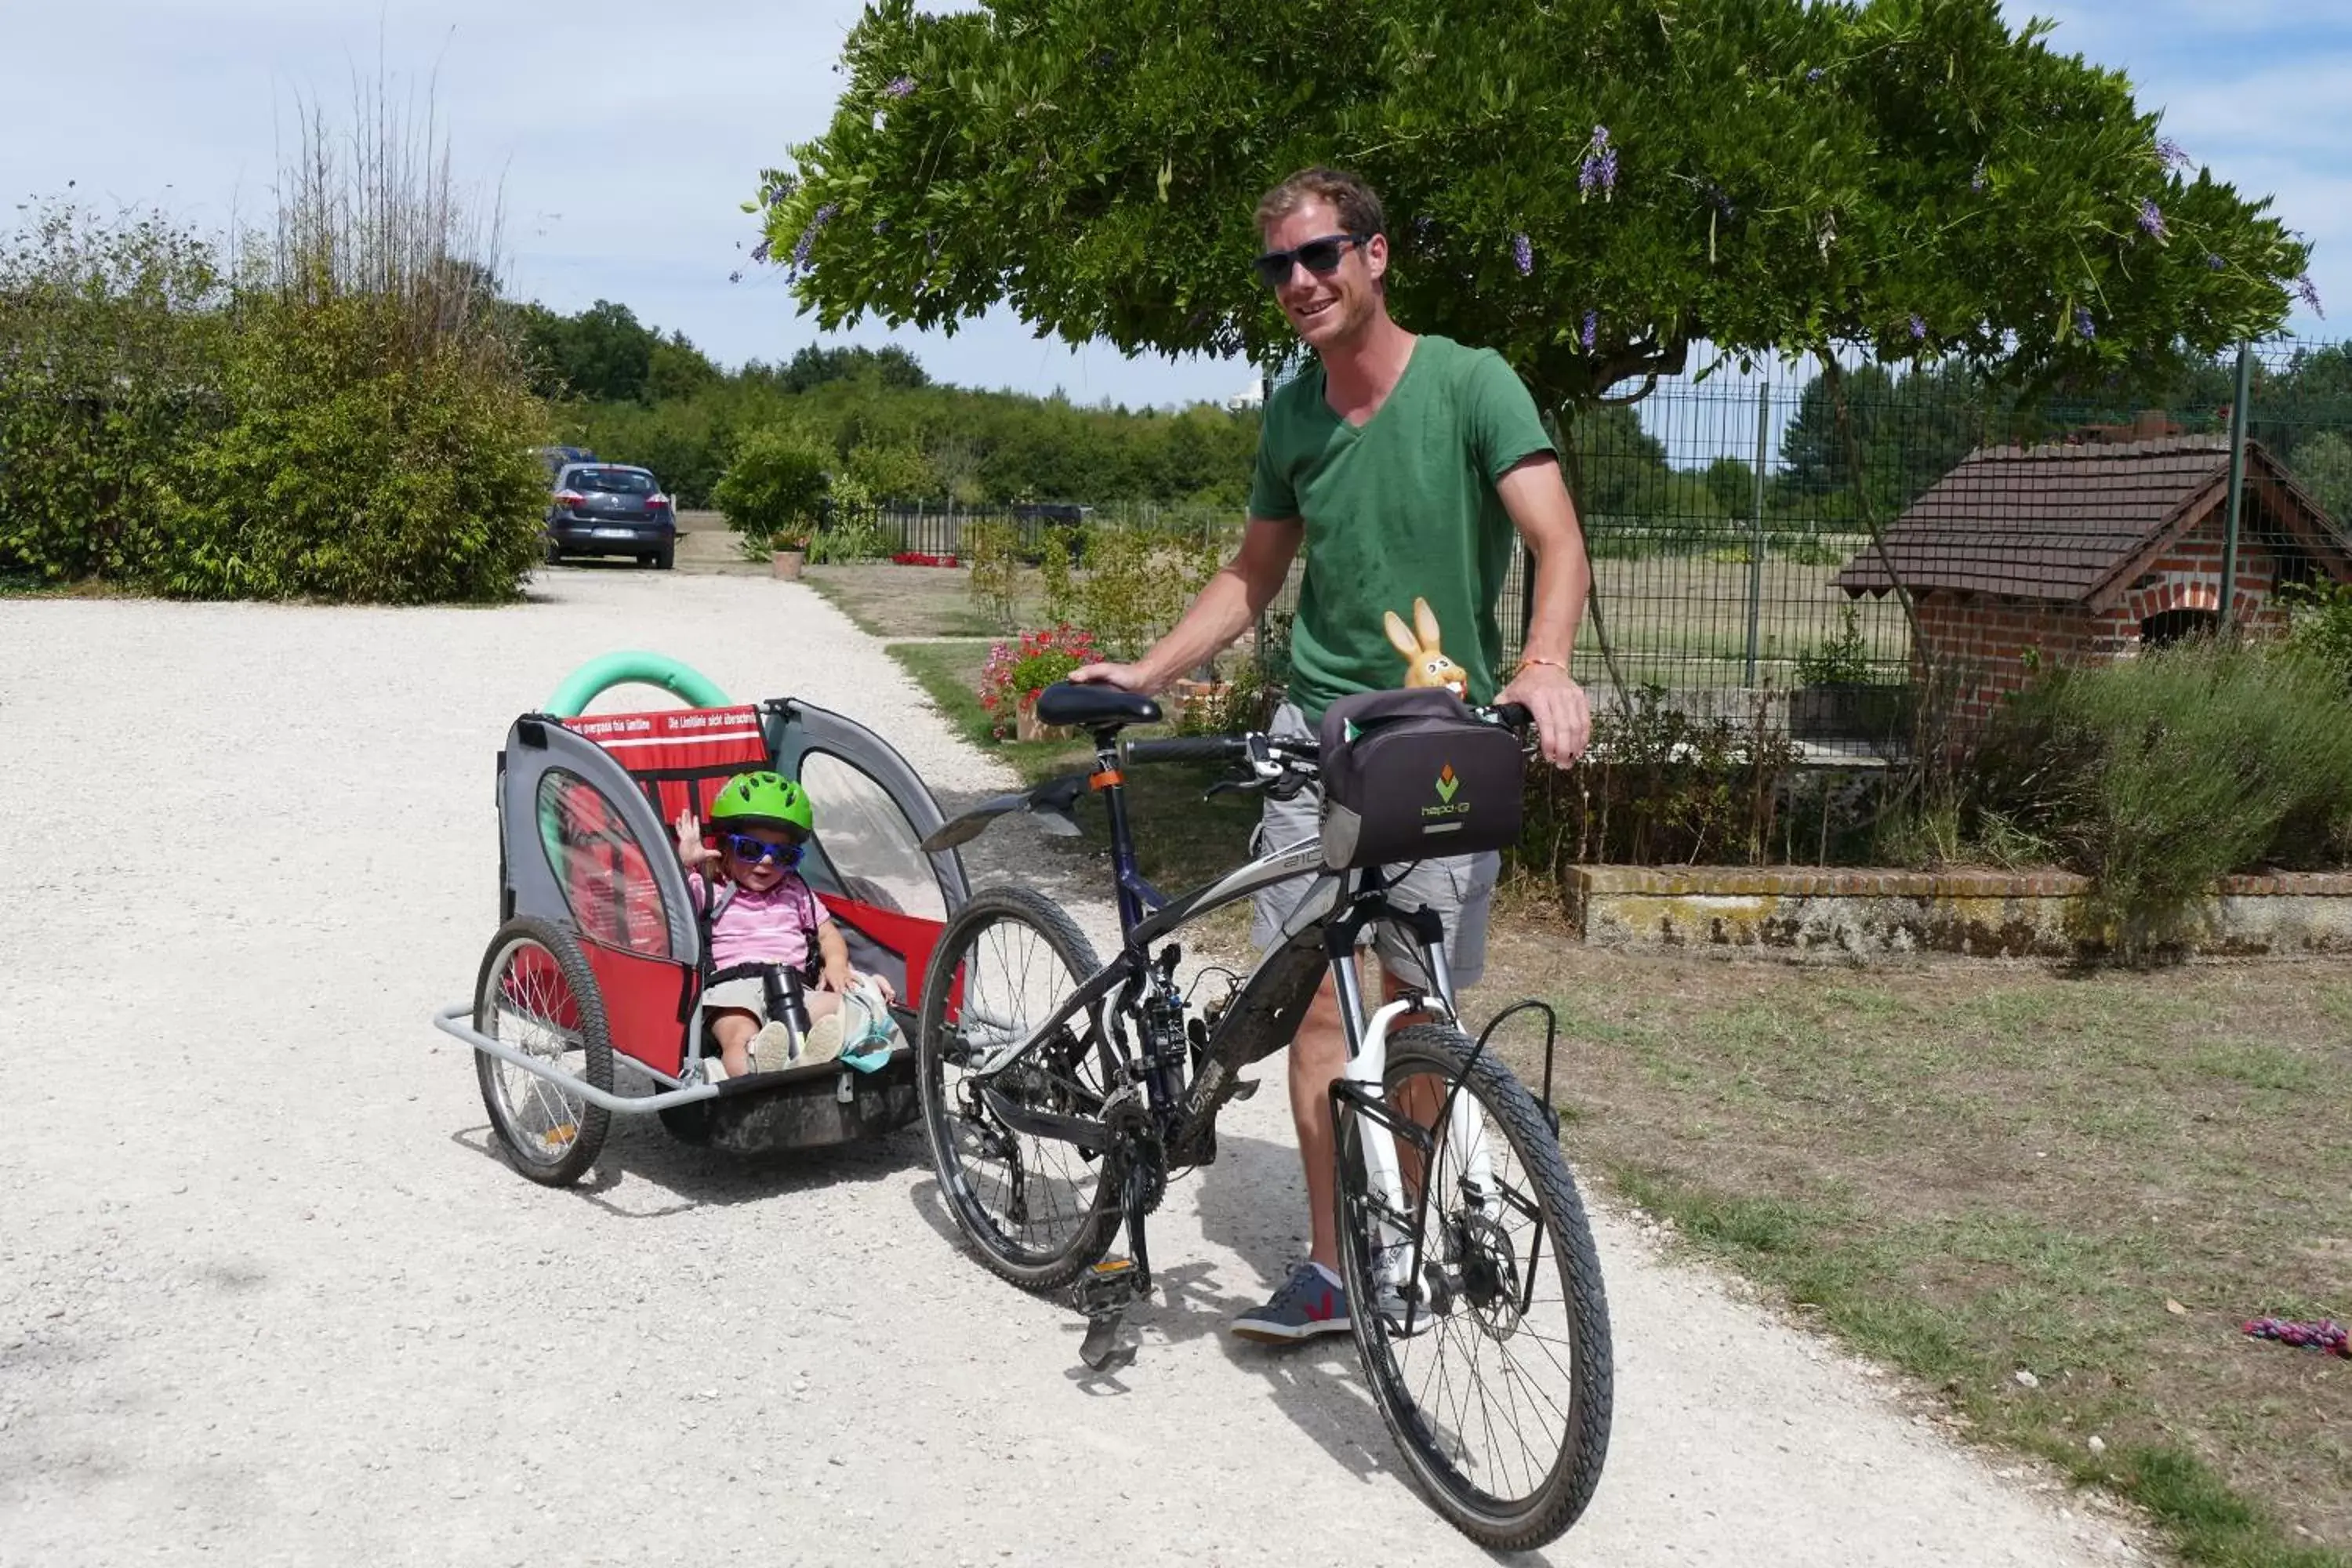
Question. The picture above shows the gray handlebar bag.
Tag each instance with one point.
(1414, 776)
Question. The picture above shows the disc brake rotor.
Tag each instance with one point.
(1490, 1275)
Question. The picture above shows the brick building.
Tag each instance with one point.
(2090, 551)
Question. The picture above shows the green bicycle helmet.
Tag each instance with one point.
(763, 800)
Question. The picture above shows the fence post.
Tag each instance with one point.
(1756, 540)
(2238, 415)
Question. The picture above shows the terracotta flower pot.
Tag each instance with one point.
(786, 563)
(1207, 700)
(1025, 726)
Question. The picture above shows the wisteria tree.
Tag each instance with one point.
(1595, 187)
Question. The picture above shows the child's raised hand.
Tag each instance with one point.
(691, 850)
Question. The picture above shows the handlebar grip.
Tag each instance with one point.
(1513, 715)
(1186, 749)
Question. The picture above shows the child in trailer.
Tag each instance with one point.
(765, 917)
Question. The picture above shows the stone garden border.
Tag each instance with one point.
(1870, 913)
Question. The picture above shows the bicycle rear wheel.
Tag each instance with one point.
(1038, 1210)
(1491, 1363)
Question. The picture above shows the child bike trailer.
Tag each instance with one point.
(589, 1001)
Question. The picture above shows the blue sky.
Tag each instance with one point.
(621, 137)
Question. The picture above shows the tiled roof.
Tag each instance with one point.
(2057, 522)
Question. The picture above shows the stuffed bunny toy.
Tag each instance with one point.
(1425, 663)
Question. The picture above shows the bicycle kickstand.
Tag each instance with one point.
(1114, 1285)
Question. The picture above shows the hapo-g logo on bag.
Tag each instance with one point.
(1448, 782)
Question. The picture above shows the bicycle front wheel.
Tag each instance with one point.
(1039, 1211)
(1483, 1327)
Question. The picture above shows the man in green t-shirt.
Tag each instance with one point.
(1405, 465)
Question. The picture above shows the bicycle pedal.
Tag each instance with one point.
(1109, 1285)
(1109, 1289)
(1111, 1342)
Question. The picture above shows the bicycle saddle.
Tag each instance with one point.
(1093, 707)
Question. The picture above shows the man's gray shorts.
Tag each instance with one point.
(1460, 889)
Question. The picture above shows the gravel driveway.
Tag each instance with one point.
(267, 1294)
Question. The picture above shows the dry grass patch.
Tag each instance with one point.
(893, 601)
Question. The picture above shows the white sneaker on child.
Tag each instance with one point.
(771, 1048)
(823, 1039)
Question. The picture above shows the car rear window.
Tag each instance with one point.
(615, 481)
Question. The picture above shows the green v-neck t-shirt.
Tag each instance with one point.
(1402, 506)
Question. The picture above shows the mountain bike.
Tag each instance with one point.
(1059, 1096)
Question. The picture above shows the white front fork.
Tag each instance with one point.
(1368, 1069)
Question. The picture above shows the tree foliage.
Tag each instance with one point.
(604, 353)
(1591, 187)
(933, 444)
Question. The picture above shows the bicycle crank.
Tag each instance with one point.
(1116, 1284)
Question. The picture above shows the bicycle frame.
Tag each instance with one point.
(1319, 937)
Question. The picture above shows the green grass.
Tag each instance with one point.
(1964, 1170)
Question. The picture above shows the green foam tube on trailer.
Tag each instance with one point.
(633, 668)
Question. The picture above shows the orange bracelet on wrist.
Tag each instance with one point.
(1559, 665)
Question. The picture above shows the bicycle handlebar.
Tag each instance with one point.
(1233, 748)
(1187, 749)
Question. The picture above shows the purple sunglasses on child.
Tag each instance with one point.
(743, 847)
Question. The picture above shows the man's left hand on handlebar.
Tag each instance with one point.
(1563, 718)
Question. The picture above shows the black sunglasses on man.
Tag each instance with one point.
(1320, 257)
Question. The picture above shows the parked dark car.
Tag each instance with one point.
(609, 508)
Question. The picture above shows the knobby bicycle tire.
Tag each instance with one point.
(1551, 1507)
(1039, 1268)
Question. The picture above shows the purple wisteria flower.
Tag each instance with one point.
(2308, 293)
(2171, 154)
(1720, 202)
(1979, 179)
(759, 251)
(1599, 171)
(821, 216)
(1815, 74)
(881, 225)
(2214, 262)
(1523, 253)
(1590, 331)
(1918, 328)
(2151, 220)
(899, 86)
(1423, 224)
(2085, 328)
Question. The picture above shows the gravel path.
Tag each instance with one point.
(265, 1292)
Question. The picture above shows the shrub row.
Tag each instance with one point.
(175, 424)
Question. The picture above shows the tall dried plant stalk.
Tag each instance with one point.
(374, 214)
